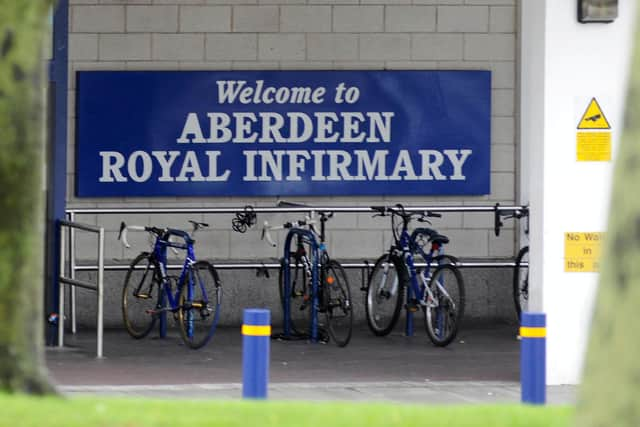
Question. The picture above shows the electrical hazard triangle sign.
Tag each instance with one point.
(593, 118)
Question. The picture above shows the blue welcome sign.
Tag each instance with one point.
(270, 133)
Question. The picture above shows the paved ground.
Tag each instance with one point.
(482, 365)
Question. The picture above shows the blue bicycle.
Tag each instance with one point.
(312, 284)
(438, 289)
(193, 297)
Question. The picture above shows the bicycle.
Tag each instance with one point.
(312, 282)
(149, 292)
(520, 281)
(438, 289)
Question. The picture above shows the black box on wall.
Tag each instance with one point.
(597, 10)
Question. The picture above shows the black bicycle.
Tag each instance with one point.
(520, 281)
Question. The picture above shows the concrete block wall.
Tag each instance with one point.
(303, 35)
(488, 299)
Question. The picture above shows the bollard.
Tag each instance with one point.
(256, 336)
(533, 343)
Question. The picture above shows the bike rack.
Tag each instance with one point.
(315, 277)
(364, 266)
(71, 281)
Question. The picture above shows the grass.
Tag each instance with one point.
(28, 411)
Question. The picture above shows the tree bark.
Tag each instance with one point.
(609, 394)
(22, 32)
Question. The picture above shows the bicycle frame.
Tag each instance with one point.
(160, 253)
(190, 304)
(416, 290)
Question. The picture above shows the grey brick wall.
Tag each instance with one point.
(301, 35)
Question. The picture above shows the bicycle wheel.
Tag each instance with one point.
(141, 296)
(521, 281)
(385, 294)
(443, 313)
(336, 302)
(435, 263)
(299, 294)
(199, 301)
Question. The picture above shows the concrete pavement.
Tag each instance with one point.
(481, 366)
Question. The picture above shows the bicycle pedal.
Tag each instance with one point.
(323, 335)
(412, 307)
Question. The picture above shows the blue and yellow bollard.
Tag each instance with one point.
(533, 346)
(256, 336)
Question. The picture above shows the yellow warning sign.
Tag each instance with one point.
(593, 117)
(593, 146)
(582, 251)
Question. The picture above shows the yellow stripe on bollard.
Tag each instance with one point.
(530, 332)
(256, 330)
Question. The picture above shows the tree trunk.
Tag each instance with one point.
(22, 31)
(609, 394)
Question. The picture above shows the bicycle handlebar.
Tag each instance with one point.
(400, 211)
(266, 235)
(163, 233)
(285, 204)
(323, 214)
(122, 234)
(197, 226)
(499, 215)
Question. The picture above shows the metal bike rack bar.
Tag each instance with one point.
(71, 281)
(294, 209)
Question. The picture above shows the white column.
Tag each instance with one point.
(564, 64)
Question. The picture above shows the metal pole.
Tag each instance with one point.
(61, 290)
(305, 209)
(57, 159)
(72, 272)
(100, 290)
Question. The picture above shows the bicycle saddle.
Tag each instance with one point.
(439, 239)
(431, 234)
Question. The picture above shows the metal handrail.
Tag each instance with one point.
(73, 282)
(258, 209)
